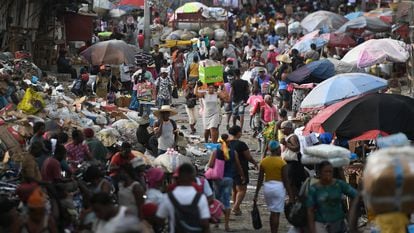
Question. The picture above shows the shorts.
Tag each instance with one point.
(227, 107)
(284, 95)
(223, 190)
(237, 179)
(238, 108)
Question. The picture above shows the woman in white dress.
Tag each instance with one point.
(211, 101)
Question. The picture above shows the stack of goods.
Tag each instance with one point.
(337, 156)
(171, 160)
(389, 181)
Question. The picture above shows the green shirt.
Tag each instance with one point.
(327, 200)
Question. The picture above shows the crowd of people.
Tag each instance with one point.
(78, 184)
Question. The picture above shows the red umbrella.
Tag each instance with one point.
(315, 124)
(132, 3)
(370, 135)
(339, 40)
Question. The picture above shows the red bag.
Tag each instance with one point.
(85, 77)
(290, 87)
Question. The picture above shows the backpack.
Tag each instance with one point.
(187, 217)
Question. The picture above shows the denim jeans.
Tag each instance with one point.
(223, 190)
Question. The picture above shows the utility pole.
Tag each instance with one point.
(147, 22)
(411, 30)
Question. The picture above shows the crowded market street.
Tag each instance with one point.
(154, 116)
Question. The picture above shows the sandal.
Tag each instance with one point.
(237, 212)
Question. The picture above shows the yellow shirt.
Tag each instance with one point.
(272, 166)
(194, 70)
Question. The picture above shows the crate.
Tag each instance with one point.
(211, 74)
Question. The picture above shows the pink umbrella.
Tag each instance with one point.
(376, 51)
(310, 35)
(339, 40)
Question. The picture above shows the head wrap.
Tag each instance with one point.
(88, 132)
(225, 149)
(273, 145)
(37, 199)
(154, 175)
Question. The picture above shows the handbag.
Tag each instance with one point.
(256, 220)
(217, 171)
(296, 212)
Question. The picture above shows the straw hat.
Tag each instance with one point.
(283, 58)
(271, 47)
(165, 108)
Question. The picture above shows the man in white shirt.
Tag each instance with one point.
(248, 51)
(184, 194)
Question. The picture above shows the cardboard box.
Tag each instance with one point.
(210, 74)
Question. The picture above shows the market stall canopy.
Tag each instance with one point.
(113, 52)
(372, 24)
(340, 87)
(376, 51)
(128, 5)
(386, 112)
(338, 40)
(323, 20)
(321, 70)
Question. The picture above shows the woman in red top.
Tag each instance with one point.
(77, 152)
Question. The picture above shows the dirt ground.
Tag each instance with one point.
(241, 223)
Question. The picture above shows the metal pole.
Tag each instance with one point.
(147, 22)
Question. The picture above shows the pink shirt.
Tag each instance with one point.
(270, 113)
(271, 56)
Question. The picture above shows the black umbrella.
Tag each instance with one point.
(386, 112)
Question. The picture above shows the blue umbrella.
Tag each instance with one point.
(322, 69)
(340, 87)
(304, 45)
(354, 15)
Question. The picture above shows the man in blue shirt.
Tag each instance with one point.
(272, 38)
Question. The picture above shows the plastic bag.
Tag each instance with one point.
(256, 220)
(32, 102)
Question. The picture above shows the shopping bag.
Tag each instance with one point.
(216, 172)
(256, 220)
(296, 212)
(32, 102)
